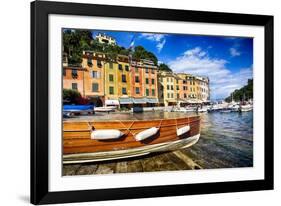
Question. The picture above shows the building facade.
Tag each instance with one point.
(129, 83)
(73, 78)
(167, 88)
(105, 39)
(94, 64)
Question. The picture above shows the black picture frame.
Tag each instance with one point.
(39, 102)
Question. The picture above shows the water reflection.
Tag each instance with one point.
(226, 140)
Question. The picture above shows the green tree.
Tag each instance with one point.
(244, 93)
(70, 95)
(141, 53)
(164, 67)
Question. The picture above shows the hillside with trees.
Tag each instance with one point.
(245, 93)
(77, 41)
(164, 67)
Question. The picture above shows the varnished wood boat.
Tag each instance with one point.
(78, 146)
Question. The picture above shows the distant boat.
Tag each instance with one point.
(185, 109)
(85, 141)
(246, 108)
(201, 110)
(105, 109)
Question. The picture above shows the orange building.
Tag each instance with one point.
(73, 78)
(150, 81)
(137, 83)
(93, 63)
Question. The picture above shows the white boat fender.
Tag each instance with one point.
(183, 130)
(146, 133)
(104, 134)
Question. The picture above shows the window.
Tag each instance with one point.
(137, 79)
(110, 65)
(124, 90)
(177, 81)
(172, 87)
(127, 68)
(178, 96)
(99, 63)
(111, 79)
(74, 86)
(172, 95)
(184, 95)
(168, 95)
(172, 80)
(120, 67)
(168, 87)
(89, 62)
(152, 71)
(95, 87)
(146, 70)
(168, 79)
(147, 92)
(111, 90)
(137, 90)
(178, 88)
(124, 78)
(147, 81)
(153, 92)
(74, 73)
(95, 74)
(152, 81)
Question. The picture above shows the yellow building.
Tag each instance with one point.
(111, 80)
(167, 88)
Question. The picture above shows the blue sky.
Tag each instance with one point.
(227, 61)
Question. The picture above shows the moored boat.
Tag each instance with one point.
(246, 108)
(105, 109)
(88, 141)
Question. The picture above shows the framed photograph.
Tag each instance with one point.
(133, 102)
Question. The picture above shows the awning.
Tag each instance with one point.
(152, 100)
(139, 100)
(194, 101)
(125, 100)
(114, 102)
(182, 100)
(171, 100)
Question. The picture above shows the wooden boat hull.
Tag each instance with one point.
(79, 147)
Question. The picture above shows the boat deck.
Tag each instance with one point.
(154, 115)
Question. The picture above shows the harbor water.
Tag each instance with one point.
(226, 141)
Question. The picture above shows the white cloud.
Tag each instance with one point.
(222, 80)
(234, 52)
(158, 38)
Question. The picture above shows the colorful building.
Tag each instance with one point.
(73, 78)
(111, 81)
(132, 83)
(93, 63)
(150, 82)
(167, 88)
(203, 90)
(105, 39)
(137, 83)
